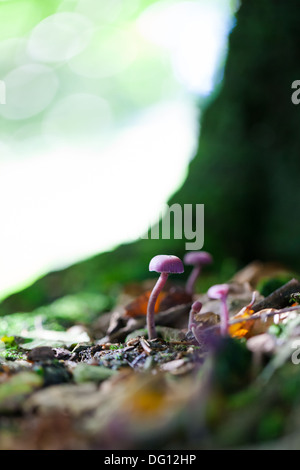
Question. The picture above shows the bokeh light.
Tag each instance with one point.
(30, 89)
(13, 53)
(110, 51)
(101, 103)
(59, 37)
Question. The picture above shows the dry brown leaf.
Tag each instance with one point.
(207, 319)
(165, 301)
(257, 325)
(257, 270)
(240, 330)
(139, 305)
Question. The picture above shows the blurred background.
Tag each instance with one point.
(101, 121)
(114, 108)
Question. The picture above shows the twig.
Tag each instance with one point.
(145, 345)
(136, 360)
(257, 316)
(280, 298)
(260, 316)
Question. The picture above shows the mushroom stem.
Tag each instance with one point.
(224, 317)
(190, 283)
(151, 304)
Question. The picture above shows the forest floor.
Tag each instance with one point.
(80, 374)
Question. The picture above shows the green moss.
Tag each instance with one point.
(12, 354)
(268, 285)
(231, 366)
(63, 313)
(271, 425)
(276, 330)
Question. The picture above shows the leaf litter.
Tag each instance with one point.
(99, 382)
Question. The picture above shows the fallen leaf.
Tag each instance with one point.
(257, 270)
(139, 305)
(240, 330)
(260, 323)
(166, 300)
(90, 373)
(14, 390)
(207, 319)
(175, 296)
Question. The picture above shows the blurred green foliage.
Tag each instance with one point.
(59, 315)
(35, 34)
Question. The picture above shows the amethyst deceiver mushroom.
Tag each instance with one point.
(197, 259)
(165, 265)
(220, 291)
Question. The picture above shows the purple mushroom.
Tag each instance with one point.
(197, 259)
(165, 265)
(220, 291)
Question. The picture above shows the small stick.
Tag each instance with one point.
(280, 298)
(257, 316)
(145, 345)
(136, 360)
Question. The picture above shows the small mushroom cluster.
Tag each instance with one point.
(220, 291)
(170, 264)
(165, 265)
(198, 259)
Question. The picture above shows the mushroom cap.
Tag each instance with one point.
(166, 264)
(197, 257)
(197, 306)
(218, 291)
